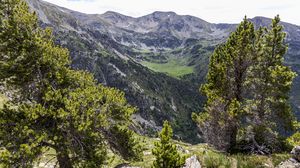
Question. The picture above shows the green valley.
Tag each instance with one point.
(173, 68)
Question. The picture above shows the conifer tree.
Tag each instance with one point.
(165, 152)
(225, 89)
(247, 91)
(52, 106)
(280, 76)
(270, 82)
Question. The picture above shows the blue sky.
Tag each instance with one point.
(215, 11)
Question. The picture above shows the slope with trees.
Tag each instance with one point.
(52, 106)
(155, 94)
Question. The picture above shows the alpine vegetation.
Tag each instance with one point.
(165, 151)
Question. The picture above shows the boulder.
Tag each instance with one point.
(296, 153)
(293, 162)
(192, 162)
(290, 163)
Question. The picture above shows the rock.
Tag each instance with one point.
(192, 162)
(293, 162)
(290, 163)
(296, 153)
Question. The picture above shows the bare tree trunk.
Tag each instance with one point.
(233, 135)
(63, 159)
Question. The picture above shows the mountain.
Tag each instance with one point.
(158, 96)
(158, 60)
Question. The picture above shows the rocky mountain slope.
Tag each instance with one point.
(157, 96)
(128, 53)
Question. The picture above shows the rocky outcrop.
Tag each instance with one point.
(293, 162)
(192, 162)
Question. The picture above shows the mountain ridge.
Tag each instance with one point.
(157, 96)
(126, 52)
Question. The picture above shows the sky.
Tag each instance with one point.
(214, 11)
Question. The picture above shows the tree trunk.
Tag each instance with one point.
(63, 159)
(233, 135)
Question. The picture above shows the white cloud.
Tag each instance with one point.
(215, 11)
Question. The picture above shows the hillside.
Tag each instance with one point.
(128, 53)
(157, 96)
(207, 156)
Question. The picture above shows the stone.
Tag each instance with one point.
(293, 162)
(290, 163)
(296, 153)
(192, 162)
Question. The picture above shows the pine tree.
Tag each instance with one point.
(280, 76)
(52, 106)
(247, 91)
(165, 152)
(225, 89)
(270, 82)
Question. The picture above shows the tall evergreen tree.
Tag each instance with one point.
(225, 88)
(280, 76)
(165, 152)
(247, 90)
(52, 106)
(270, 82)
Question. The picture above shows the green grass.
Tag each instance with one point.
(2, 100)
(208, 157)
(172, 68)
(142, 51)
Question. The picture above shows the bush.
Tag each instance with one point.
(214, 160)
(294, 140)
(165, 152)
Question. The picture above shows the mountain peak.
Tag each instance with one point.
(111, 13)
(163, 13)
(115, 17)
(114, 14)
